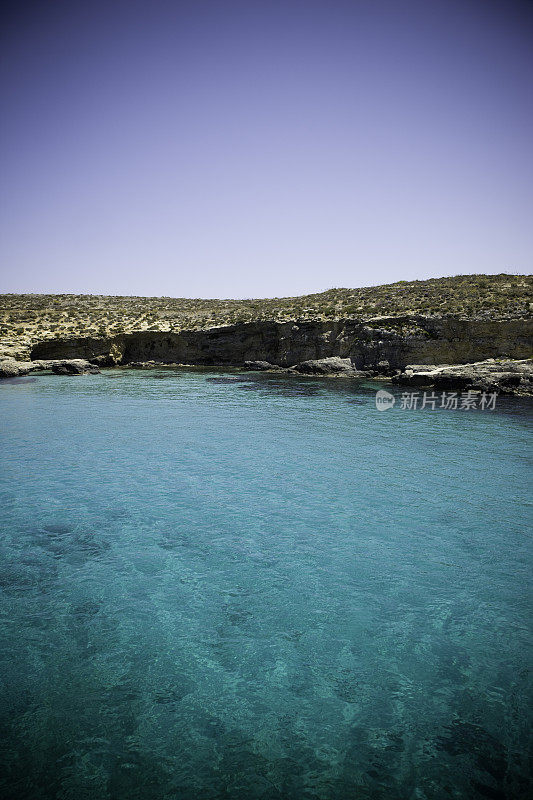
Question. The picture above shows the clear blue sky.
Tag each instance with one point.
(236, 149)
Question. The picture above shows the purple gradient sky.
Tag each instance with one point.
(236, 149)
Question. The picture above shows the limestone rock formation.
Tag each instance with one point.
(258, 366)
(383, 345)
(374, 331)
(11, 369)
(144, 364)
(75, 366)
(503, 376)
(327, 366)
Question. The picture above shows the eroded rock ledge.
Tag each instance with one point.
(9, 368)
(386, 343)
(383, 346)
(502, 376)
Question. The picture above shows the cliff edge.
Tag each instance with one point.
(446, 321)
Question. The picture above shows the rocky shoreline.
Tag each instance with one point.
(503, 376)
(464, 331)
(369, 344)
(10, 368)
(415, 350)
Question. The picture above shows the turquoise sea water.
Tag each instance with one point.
(260, 588)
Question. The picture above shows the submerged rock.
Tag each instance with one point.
(493, 375)
(226, 379)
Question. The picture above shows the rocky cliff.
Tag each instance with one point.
(381, 344)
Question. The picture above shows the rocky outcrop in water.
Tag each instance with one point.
(75, 366)
(327, 366)
(9, 368)
(258, 366)
(502, 376)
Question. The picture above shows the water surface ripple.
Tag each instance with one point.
(260, 588)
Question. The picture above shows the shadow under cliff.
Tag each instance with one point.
(390, 342)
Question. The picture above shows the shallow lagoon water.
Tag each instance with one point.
(260, 588)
